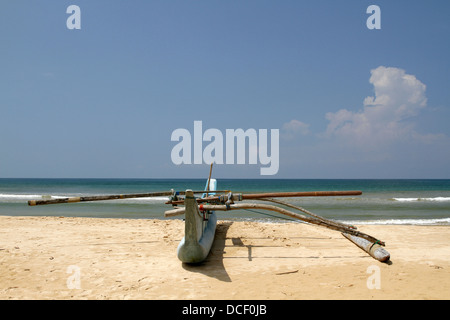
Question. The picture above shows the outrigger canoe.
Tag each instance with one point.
(200, 216)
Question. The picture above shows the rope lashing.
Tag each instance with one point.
(376, 242)
(229, 200)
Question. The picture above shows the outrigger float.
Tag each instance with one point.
(201, 219)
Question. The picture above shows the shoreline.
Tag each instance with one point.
(435, 222)
(110, 258)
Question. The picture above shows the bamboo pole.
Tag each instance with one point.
(312, 220)
(255, 196)
(109, 197)
(374, 249)
(308, 212)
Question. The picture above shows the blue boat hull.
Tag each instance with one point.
(200, 228)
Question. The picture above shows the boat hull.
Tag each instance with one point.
(200, 228)
(195, 252)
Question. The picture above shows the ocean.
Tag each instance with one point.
(390, 201)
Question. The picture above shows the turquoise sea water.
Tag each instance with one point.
(392, 201)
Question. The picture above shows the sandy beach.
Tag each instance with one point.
(88, 258)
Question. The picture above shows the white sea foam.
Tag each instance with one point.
(421, 222)
(143, 200)
(18, 197)
(438, 199)
(418, 222)
(4, 197)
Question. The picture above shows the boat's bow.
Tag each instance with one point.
(200, 228)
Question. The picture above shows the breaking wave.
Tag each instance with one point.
(419, 222)
(437, 199)
(18, 198)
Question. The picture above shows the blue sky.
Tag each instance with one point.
(103, 101)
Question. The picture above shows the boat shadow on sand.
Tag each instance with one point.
(213, 265)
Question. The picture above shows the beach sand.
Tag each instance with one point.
(88, 258)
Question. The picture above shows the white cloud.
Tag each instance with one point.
(378, 141)
(294, 128)
(385, 117)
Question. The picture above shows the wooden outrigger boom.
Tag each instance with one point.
(201, 219)
(110, 197)
(262, 196)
